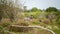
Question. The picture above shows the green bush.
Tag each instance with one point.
(24, 24)
(4, 24)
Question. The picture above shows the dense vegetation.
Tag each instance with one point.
(11, 14)
(49, 18)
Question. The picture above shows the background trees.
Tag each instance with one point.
(34, 9)
(51, 9)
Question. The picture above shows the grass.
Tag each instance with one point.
(57, 31)
(33, 22)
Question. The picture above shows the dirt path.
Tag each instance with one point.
(36, 27)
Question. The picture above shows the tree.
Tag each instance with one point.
(51, 9)
(51, 13)
(34, 9)
(8, 9)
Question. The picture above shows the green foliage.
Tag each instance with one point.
(8, 10)
(34, 16)
(57, 31)
(34, 9)
(51, 9)
(1, 27)
(36, 23)
(5, 24)
(24, 24)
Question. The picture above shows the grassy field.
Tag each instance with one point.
(37, 22)
(34, 19)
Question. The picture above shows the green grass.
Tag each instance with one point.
(57, 31)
